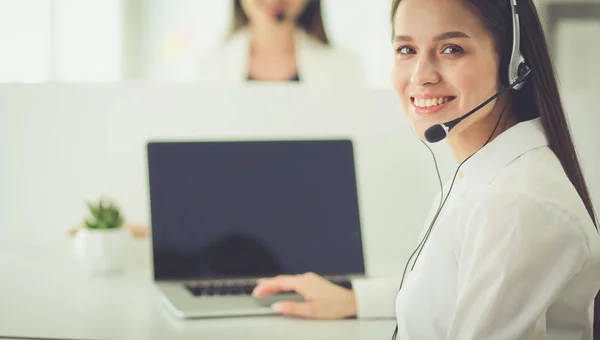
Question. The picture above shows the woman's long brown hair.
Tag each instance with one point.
(540, 96)
(311, 20)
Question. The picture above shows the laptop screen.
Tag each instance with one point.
(243, 209)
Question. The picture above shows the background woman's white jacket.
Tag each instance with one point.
(318, 64)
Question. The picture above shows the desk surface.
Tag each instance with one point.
(44, 293)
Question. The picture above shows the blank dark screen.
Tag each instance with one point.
(232, 209)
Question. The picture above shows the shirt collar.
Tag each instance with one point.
(485, 164)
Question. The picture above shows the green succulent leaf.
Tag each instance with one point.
(104, 214)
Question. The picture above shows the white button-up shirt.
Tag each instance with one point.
(514, 253)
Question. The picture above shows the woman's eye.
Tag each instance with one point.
(453, 49)
(404, 50)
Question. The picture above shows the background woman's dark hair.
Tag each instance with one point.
(311, 20)
(540, 96)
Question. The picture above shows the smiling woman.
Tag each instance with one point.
(461, 64)
(513, 252)
(511, 249)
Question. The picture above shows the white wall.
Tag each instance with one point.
(87, 40)
(364, 28)
(60, 40)
(61, 144)
(24, 40)
(579, 80)
(179, 33)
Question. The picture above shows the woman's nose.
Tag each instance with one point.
(425, 73)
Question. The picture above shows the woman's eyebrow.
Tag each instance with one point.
(443, 36)
(451, 35)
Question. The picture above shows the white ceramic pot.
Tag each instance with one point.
(102, 252)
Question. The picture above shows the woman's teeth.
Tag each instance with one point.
(431, 102)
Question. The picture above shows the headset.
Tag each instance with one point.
(518, 72)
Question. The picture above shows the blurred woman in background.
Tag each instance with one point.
(280, 40)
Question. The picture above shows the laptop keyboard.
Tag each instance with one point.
(216, 290)
(238, 288)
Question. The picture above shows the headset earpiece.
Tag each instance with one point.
(518, 70)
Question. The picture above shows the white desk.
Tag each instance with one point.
(44, 293)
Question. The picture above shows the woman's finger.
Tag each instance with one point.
(278, 284)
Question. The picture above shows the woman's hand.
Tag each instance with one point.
(323, 299)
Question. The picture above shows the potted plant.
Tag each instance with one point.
(100, 244)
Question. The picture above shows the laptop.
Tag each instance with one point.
(227, 213)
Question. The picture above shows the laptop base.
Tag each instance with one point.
(181, 303)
